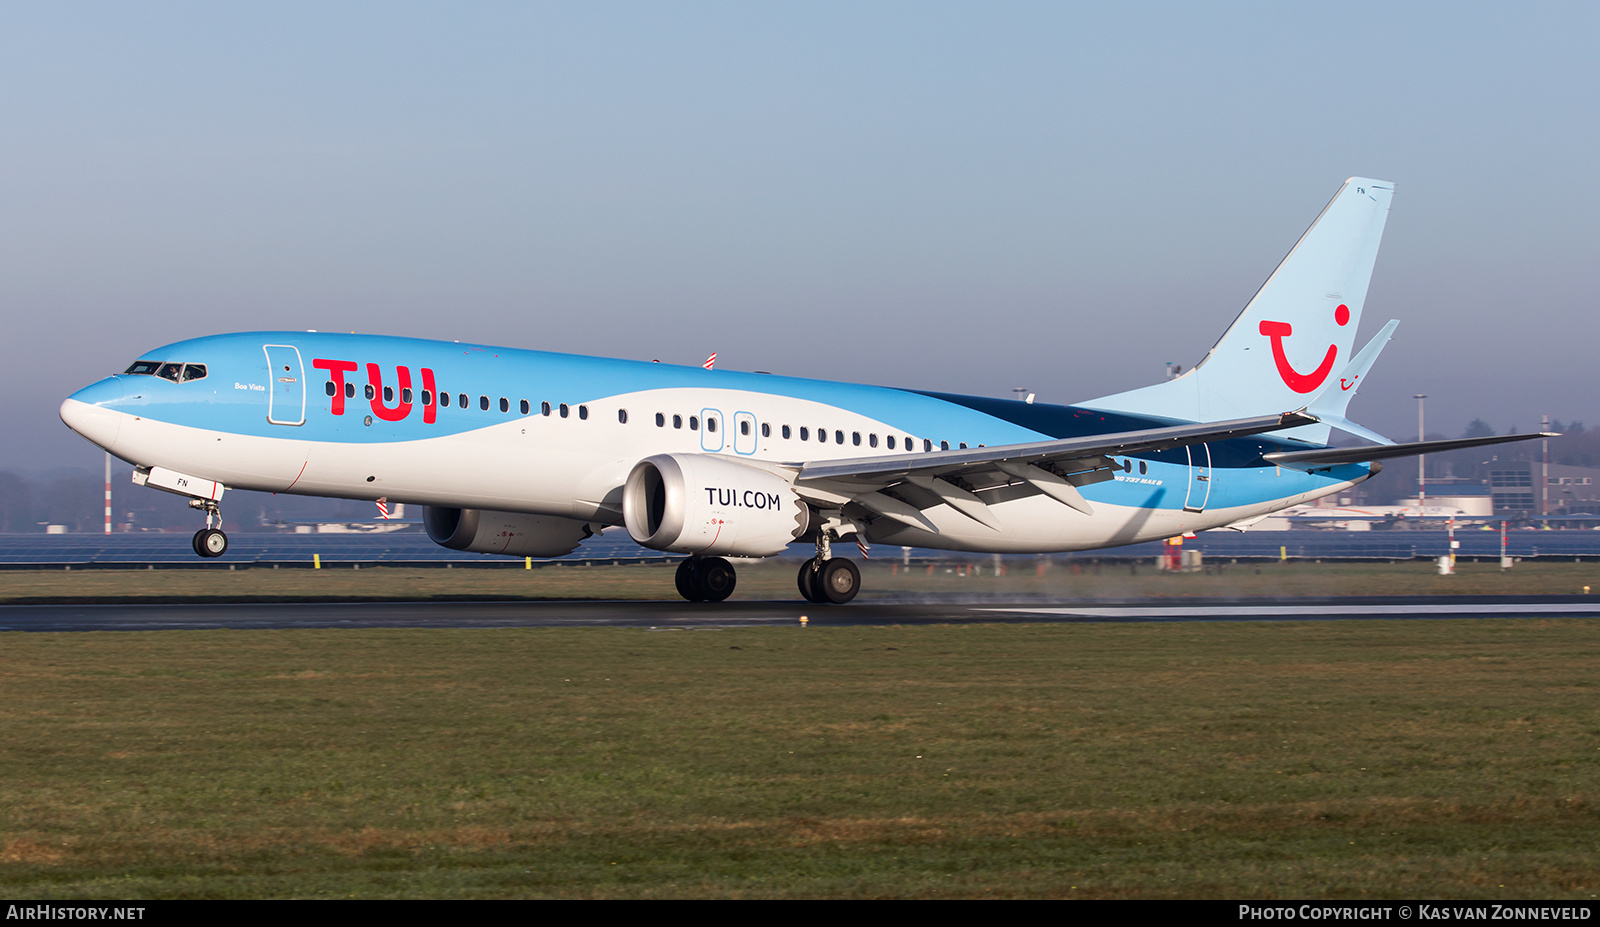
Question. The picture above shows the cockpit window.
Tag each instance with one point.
(177, 373)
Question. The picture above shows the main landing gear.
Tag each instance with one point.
(209, 541)
(826, 578)
(822, 579)
(705, 579)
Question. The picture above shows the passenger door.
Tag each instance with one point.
(286, 396)
(1199, 478)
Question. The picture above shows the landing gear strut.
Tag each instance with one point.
(209, 541)
(705, 579)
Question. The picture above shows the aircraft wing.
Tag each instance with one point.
(1054, 468)
(1338, 455)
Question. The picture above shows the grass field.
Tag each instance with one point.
(776, 579)
(1438, 759)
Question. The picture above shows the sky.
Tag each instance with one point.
(959, 197)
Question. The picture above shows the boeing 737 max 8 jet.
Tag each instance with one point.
(527, 453)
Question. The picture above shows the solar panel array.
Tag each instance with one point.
(243, 548)
(414, 549)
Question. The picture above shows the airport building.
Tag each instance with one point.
(1522, 491)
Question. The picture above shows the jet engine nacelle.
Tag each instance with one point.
(700, 504)
(512, 533)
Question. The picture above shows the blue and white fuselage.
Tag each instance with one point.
(477, 427)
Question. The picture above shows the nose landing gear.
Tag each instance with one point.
(209, 541)
(203, 494)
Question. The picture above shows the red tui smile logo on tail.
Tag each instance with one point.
(1294, 379)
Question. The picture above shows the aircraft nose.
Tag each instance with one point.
(92, 412)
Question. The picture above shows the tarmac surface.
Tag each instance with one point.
(736, 614)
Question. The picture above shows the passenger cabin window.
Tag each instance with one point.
(505, 404)
(350, 391)
(564, 410)
(694, 423)
(805, 433)
(388, 395)
(661, 420)
(855, 438)
(711, 424)
(544, 408)
(405, 395)
(483, 403)
(766, 430)
(786, 432)
(583, 413)
(677, 421)
(329, 388)
(944, 445)
(461, 400)
(872, 440)
(838, 437)
(744, 427)
(524, 407)
(622, 416)
(427, 398)
(444, 399)
(370, 392)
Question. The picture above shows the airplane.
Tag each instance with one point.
(527, 453)
(1369, 517)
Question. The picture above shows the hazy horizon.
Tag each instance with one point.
(940, 196)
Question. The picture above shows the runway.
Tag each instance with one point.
(740, 614)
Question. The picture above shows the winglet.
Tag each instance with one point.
(1336, 396)
(1330, 405)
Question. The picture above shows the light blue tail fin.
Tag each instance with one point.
(1294, 335)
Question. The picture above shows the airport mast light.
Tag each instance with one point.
(1422, 474)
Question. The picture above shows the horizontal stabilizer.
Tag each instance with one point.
(1341, 455)
(1349, 427)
